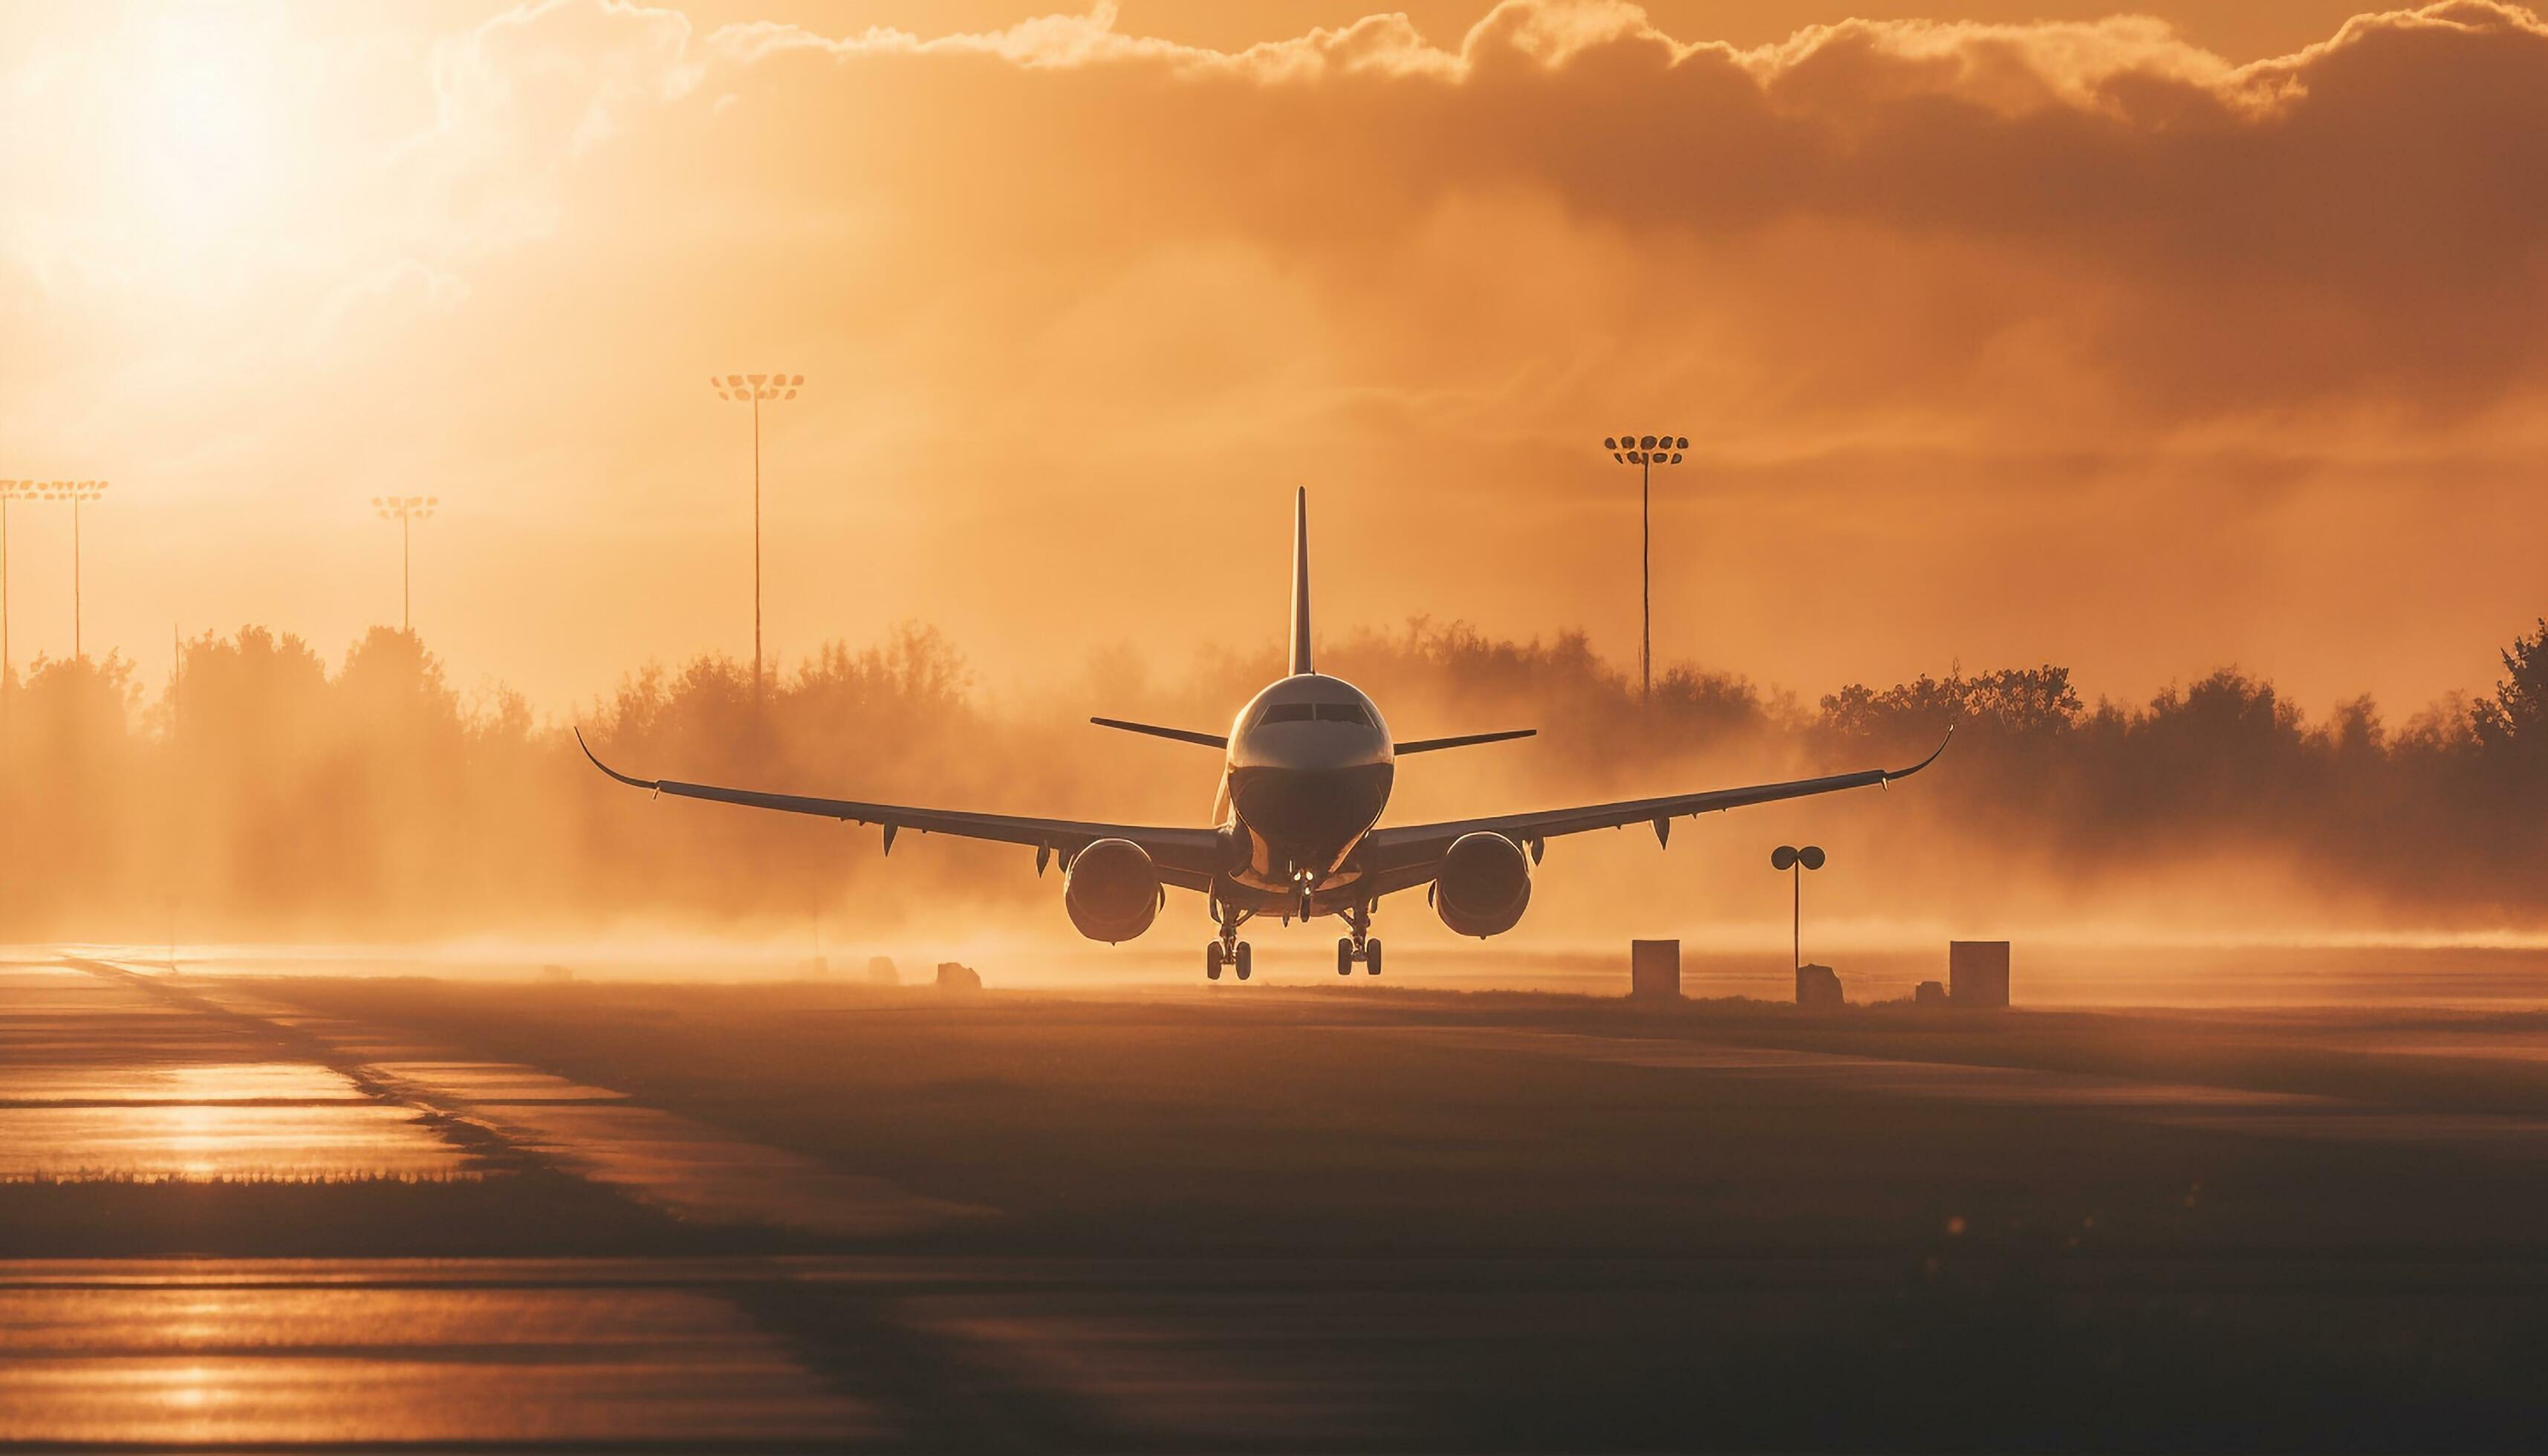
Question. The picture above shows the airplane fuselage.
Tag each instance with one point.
(1309, 771)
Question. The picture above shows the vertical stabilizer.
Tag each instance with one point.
(1300, 581)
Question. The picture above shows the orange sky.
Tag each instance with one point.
(2139, 344)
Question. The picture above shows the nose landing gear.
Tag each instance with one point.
(1229, 951)
(1360, 945)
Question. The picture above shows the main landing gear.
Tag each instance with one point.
(1360, 945)
(1235, 957)
(1229, 951)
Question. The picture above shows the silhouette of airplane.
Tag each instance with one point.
(1307, 771)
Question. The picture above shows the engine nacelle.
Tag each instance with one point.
(1483, 886)
(1112, 890)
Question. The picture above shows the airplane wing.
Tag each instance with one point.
(1405, 857)
(1187, 857)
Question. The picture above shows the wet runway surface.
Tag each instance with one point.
(218, 1352)
(869, 1305)
(595, 1133)
(100, 1076)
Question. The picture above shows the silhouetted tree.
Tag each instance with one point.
(2514, 721)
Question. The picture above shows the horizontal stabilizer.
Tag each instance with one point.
(1427, 744)
(1181, 735)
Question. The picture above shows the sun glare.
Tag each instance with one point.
(206, 130)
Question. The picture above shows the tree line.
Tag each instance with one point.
(263, 791)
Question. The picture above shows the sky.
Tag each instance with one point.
(2003, 334)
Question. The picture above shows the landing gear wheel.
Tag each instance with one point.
(1243, 960)
(1212, 961)
(1345, 956)
(1371, 956)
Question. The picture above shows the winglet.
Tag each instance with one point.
(1300, 581)
(1893, 773)
(606, 768)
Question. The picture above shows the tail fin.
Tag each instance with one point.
(1300, 582)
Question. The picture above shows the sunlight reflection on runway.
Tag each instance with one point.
(201, 1082)
(197, 1360)
(104, 1078)
(215, 1141)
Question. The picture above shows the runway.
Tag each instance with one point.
(256, 1215)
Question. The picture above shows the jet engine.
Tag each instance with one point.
(1112, 890)
(1483, 886)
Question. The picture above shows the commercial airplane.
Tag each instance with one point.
(1306, 772)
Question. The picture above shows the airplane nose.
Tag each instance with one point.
(1310, 815)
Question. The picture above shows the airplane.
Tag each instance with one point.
(1306, 772)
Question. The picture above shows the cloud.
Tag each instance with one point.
(2356, 224)
(1071, 293)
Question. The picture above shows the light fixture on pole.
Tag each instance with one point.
(1646, 452)
(406, 511)
(1797, 861)
(77, 493)
(752, 388)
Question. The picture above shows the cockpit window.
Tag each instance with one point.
(1322, 712)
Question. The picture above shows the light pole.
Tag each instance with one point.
(406, 511)
(1646, 452)
(9, 491)
(1797, 861)
(76, 492)
(753, 389)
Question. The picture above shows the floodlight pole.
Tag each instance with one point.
(756, 388)
(406, 511)
(1646, 452)
(1645, 576)
(77, 493)
(8, 489)
(756, 543)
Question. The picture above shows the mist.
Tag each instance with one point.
(267, 792)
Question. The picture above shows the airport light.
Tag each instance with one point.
(1645, 452)
(77, 493)
(753, 389)
(1796, 862)
(406, 511)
